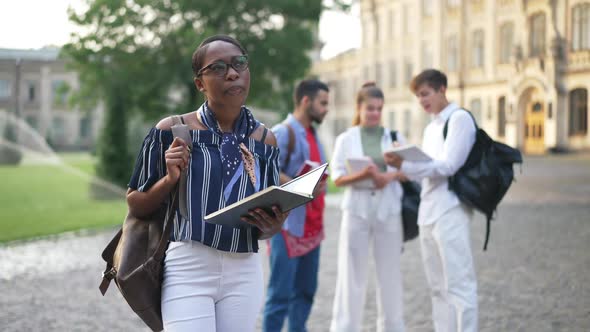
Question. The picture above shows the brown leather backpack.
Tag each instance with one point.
(135, 257)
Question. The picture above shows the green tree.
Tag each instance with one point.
(135, 54)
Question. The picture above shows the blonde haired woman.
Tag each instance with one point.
(371, 218)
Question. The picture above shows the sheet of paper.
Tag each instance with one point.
(357, 164)
(409, 152)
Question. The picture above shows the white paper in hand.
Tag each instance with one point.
(354, 165)
(409, 152)
(182, 131)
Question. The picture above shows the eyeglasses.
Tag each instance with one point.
(220, 68)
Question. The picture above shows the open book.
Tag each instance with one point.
(409, 152)
(288, 196)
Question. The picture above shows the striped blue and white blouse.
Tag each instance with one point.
(205, 191)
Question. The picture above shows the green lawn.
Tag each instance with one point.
(38, 200)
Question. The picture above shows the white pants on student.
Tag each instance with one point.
(448, 262)
(357, 235)
(205, 289)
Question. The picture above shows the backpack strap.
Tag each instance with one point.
(488, 222)
(446, 127)
(264, 132)
(393, 134)
(291, 145)
(177, 119)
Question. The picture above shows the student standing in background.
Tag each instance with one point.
(295, 252)
(371, 218)
(443, 219)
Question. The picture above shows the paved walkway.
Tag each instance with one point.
(535, 275)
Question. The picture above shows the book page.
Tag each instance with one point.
(409, 152)
(306, 183)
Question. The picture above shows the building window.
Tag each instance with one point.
(408, 70)
(537, 35)
(392, 120)
(452, 4)
(407, 123)
(392, 74)
(378, 31)
(391, 24)
(502, 116)
(85, 127)
(581, 27)
(475, 108)
(426, 54)
(31, 91)
(477, 51)
(59, 92)
(427, 8)
(578, 121)
(452, 52)
(406, 19)
(506, 42)
(378, 74)
(58, 128)
(5, 89)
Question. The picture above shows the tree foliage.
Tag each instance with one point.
(136, 54)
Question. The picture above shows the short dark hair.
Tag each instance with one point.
(199, 54)
(432, 77)
(308, 88)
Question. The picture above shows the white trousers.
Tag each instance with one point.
(357, 235)
(205, 289)
(448, 262)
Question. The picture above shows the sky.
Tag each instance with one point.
(22, 27)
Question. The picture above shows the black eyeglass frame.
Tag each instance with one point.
(227, 65)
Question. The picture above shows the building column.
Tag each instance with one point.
(45, 101)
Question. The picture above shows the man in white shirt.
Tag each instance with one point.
(443, 219)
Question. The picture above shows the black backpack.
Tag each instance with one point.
(410, 204)
(486, 175)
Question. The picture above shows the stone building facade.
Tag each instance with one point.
(521, 66)
(35, 85)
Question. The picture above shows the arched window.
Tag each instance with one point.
(506, 42)
(581, 27)
(502, 116)
(578, 119)
(537, 35)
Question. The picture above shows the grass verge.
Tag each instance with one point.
(40, 200)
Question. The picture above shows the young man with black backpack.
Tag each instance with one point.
(443, 219)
